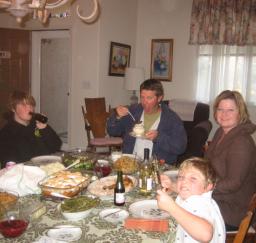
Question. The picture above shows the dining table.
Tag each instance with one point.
(94, 228)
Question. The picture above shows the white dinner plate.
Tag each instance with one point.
(114, 215)
(133, 134)
(172, 174)
(46, 159)
(96, 188)
(67, 234)
(147, 209)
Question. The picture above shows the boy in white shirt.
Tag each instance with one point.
(197, 214)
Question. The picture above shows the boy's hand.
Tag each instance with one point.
(40, 125)
(168, 184)
(164, 201)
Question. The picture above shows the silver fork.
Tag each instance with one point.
(109, 214)
(131, 115)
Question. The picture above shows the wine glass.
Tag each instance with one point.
(14, 221)
(102, 168)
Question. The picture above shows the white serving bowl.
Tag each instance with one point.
(76, 215)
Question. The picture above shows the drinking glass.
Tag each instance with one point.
(13, 221)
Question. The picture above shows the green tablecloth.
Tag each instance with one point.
(93, 227)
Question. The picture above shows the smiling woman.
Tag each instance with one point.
(232, 153)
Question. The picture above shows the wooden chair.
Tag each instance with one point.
(95, 119)
(245, 233)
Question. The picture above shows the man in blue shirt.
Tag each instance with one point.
(165, 135)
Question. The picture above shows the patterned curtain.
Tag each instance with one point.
(229, 22)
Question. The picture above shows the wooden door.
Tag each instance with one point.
(15, 49)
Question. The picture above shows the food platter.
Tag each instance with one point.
(104, 187)
(64, 183)
(147, 209)
(45, 159)
(127, 163)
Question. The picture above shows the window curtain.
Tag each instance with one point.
(222, 67)
(227, 22)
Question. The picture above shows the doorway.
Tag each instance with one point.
(51, 78)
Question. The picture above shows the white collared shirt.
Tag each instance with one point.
(205, 207)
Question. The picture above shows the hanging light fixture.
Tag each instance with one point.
(41, 9)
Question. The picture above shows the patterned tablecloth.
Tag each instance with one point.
(94, 229)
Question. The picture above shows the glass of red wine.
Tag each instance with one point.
(102, 168)
(13, 222)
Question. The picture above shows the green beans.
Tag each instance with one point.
(79, 204)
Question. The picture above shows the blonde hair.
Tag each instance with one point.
(239, 101)
(18, 97)
(202, 165)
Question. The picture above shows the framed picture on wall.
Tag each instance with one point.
(119, 58)
(161, 59)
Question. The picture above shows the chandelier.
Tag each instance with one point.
(41, 9)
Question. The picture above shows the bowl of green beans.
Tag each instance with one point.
(79, 207)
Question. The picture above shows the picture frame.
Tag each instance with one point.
(119, 59)
(161, 59)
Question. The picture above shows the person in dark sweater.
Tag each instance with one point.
(22, 137)
(164, 131)
(232, 153)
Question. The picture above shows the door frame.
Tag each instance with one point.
(37, 36)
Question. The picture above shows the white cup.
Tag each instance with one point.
(116, 155)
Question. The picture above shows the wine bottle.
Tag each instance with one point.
(119, 191)
(145, 175)
(39, 117)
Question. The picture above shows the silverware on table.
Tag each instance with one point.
(109, 214)
(73, 164)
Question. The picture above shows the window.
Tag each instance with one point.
(222, 67)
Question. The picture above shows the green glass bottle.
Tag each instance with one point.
(119, 191)
(145, 175)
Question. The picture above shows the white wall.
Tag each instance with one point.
(90, 58)
(133, 22)
(168, 19)
(117, 26)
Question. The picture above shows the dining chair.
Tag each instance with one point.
(95, 118)
(246, 233)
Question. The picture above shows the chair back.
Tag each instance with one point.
(245, 223)
(96, 115)
(86, 125)
(195, 117)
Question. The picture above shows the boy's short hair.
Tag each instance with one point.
(203, 165)
(18, 97)
(154, 85)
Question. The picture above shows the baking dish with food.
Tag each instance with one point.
(66, 183)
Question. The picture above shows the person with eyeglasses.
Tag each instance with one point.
(232, 153)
